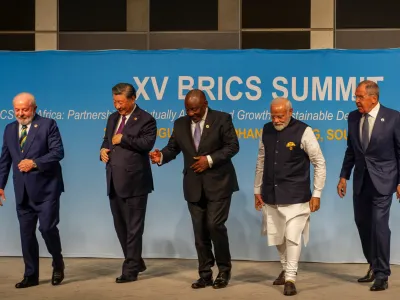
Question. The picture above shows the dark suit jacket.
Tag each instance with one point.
(219, 140)
(129, 165)
(45, 147)
(382, 157)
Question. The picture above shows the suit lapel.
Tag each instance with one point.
(378, 126)
(188, 132)
(113, 128)
(31, 136)
(207, 126)
(15, 136)
(357, 129)
(133, 118)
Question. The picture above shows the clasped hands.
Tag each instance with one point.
(25, 165)
(199, 166)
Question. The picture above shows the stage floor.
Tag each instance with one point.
(164, 279)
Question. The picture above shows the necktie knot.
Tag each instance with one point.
(24, 126)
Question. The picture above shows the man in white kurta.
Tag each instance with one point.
(282, 186)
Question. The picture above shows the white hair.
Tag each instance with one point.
(25, 96)
(282, 100)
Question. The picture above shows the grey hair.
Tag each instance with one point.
(28, 96)
(281, 100)
(371, 87)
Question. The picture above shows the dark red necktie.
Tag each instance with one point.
(122, 125)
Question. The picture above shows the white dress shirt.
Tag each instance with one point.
(311, 146)
(193, 127)
(371, 120)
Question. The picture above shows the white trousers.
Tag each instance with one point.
(284, 225)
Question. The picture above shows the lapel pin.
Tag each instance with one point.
(207, 126)
(36, 125)
(135, 118)
(382, 120)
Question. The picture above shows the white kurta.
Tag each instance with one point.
(290, 221)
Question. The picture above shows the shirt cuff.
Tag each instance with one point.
(210, 161)
(257, 191)
(161, 159)
(316, 194)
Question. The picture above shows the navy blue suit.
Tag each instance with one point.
(37, 192)
(129, 181)
(375, 179)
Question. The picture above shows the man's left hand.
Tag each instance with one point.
(117, 139)
(314, 204)
(200, 165)
(398, 191)
(25, 165)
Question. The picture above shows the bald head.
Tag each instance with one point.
(281, 112)
(196, 104)
(24, 108)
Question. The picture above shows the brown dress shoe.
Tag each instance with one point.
(290, 289)
(369, 277)
(280, 280)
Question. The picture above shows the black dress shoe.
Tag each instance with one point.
(379, 285)
(202, 283)
(222, 280)
(58, 277)
(290, 289)
(369, 277)
(280, 280)
(124, 279)
(142, 268)
(28, 281)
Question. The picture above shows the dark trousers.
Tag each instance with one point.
(129, 216)
(208, 219)
(371, 213)
(47, 213)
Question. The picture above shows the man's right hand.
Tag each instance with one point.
(258, 201)
(2, 197)
(341, 187)
(155, 156)
(104, 155)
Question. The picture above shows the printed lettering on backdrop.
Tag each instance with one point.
(74, 88)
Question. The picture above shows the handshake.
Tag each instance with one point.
(155, 156)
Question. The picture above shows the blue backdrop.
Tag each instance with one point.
(75, 89)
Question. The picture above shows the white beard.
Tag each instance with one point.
(279, 127)
(25, 121)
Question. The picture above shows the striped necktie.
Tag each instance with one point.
(24, 134)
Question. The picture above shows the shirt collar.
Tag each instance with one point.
(374, 112)
(127, 116)
(204, 117)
